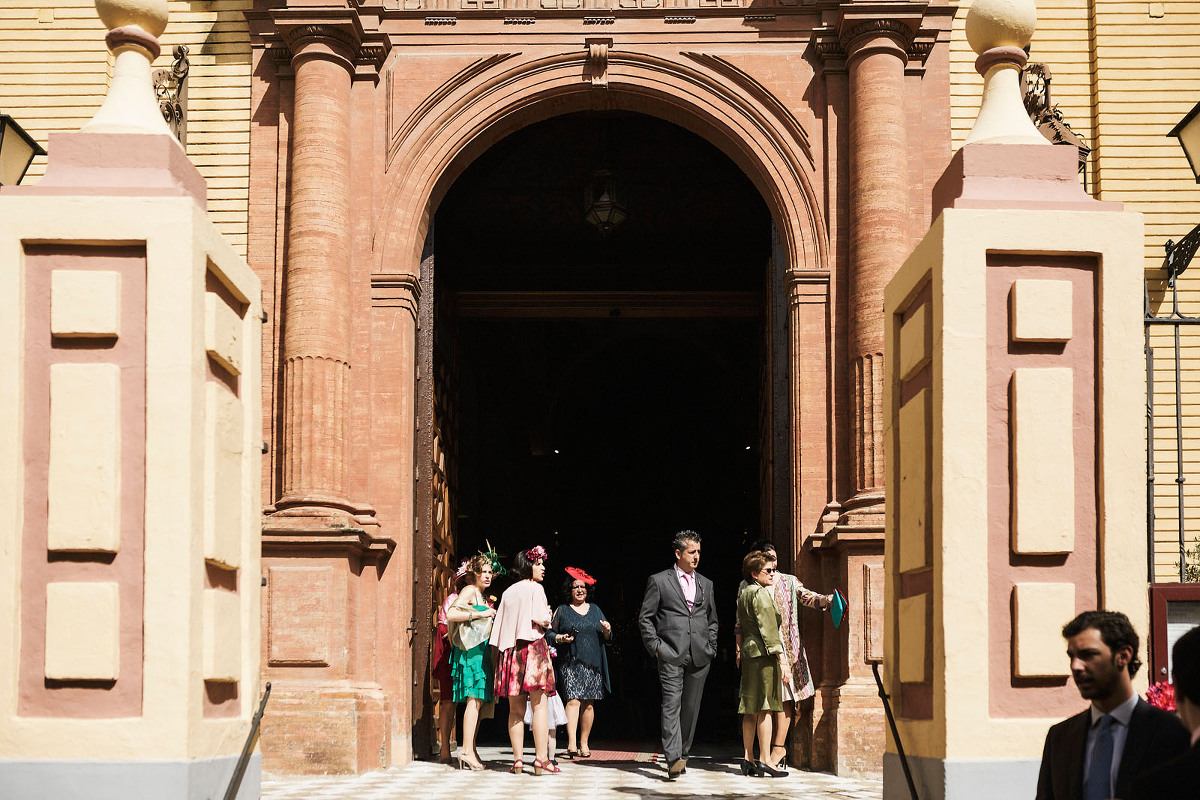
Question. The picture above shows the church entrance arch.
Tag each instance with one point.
(365, 118)
(777, 312)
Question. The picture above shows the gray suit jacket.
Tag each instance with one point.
(669, 629)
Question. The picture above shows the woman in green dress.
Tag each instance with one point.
(470, 625)
(763, 660)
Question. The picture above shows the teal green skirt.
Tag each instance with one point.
(471, 673)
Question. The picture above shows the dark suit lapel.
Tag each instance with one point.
(1077, 750)
(673, 579)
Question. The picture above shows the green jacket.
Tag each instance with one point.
(759, 621)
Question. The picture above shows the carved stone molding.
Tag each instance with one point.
(396, 290)
(893, 28)
(900, 32)
(373, 54)
(920, 49)
(280, 55)
(763, 95)
(398, 128)
(296, 36)
(828, 46)
(597, 62)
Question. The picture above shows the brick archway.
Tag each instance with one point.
(499, 94)
(502, 93)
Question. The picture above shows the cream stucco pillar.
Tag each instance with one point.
(1015, 450)
(130, 446)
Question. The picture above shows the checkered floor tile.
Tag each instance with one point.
(709, 775)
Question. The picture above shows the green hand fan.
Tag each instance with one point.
(837, 609)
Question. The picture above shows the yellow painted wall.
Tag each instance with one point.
(54, 71)
(1124, 73)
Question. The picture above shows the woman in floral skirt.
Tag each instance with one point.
(525, 672)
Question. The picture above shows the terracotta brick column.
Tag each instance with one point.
(316, 338)
(879, 239)
(871, 46)
(321, 552)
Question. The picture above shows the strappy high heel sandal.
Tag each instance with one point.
(781, 762)
(517, 767)
(471, 763)
(548, 767)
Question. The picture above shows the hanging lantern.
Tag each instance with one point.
(602, 206)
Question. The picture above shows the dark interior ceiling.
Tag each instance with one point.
(514, 220)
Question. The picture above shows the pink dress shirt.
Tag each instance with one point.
(688, 584)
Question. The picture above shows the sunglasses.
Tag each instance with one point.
(770, 570)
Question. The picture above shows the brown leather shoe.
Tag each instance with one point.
(676, 769)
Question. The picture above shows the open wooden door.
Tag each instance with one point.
(434, 532)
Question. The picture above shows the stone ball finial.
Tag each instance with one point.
(1000, 23)
(131, 105)
(149, 15)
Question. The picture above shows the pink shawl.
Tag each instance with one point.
(523, 615)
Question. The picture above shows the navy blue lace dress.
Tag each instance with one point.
(582, 668)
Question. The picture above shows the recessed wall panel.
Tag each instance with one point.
(1043, 460)
(82, 631)
(85, 457)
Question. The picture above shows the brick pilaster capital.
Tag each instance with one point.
(335, 34)
(858, 29)
(857, 37)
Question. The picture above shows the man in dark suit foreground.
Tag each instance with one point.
(1180, 777)
(678, 624)
(1096, 754)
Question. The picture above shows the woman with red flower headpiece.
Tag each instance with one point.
(525, 670)
(582, 677)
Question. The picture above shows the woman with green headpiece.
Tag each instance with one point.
(470, 626)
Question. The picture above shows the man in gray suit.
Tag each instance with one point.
(678, 623)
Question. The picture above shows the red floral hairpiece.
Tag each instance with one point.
(580, 575)
(536, 554)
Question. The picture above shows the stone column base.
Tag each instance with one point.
(325, 728)
(961, 778)
(198, 779)
(849, 736)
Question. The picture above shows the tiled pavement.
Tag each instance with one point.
(710, 774)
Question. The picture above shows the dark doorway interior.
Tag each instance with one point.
(598, 409)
